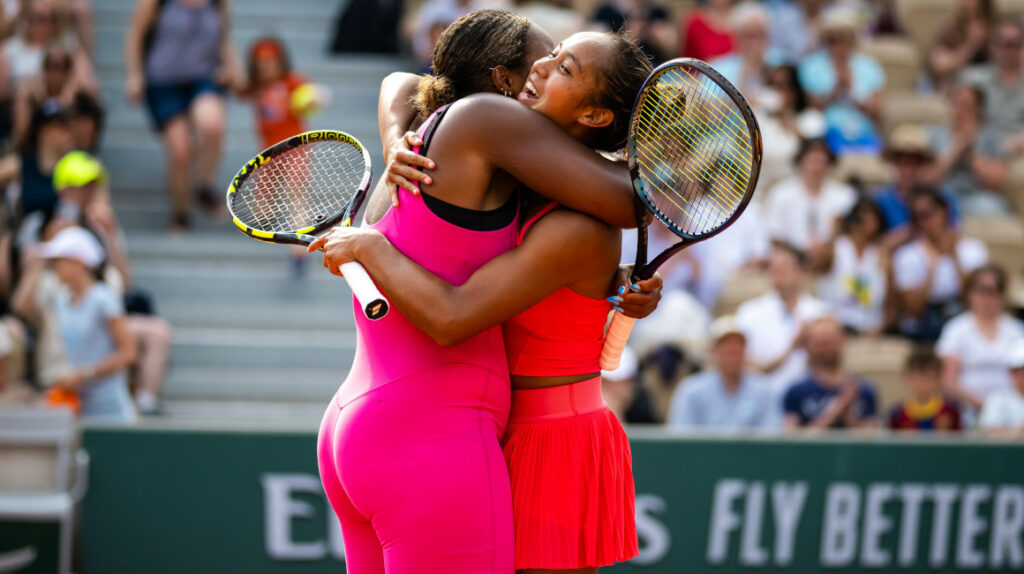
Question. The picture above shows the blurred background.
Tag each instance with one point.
(837, 381)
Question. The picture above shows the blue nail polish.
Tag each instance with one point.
(619, 309)
(635, 287)
(614, 300)
(622, 289)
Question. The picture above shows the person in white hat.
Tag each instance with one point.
(90, 318)
(727, 396)
(1003, 413)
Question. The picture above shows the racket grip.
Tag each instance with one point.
(615, 341)
(375, 306)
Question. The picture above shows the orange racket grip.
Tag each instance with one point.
(615, 341)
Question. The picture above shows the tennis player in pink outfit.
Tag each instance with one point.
(410, 448)
(568, 457)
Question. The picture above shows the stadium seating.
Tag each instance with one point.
(1010, 8)
(869, 170)
(740, 287)
(903, 108)
(879, 360)
(923, 19)
(899, 59)
(1004, 237)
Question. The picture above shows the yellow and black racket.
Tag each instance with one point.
(694, 154)
(303, 186)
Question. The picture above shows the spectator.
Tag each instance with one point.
(975, 344)
(643, 20)
(785, 120)
(857, 282)
(910, 155)
(556, 17)
(1003, 413)
(80, 181)
(90, 320)
(47, 140)
(845, 84)
(751, 57)
(929, 270)
(726, 397)
(40, 24)
(705, 31)
(925, 407)
(87, 118)
(829, 397)
(773, 323)
(432, 19)
(744, 245)
(790, 33)
(271, 84)
(972, 160)
(57, 82)
(804, 210)
(1002, 82)
(962, 42)
(179, 57)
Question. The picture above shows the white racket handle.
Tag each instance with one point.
(615, 341)
(374, 304)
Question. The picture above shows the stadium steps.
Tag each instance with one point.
(251, 339)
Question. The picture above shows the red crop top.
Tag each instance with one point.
(561, 335)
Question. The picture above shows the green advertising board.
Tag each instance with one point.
(175, 500)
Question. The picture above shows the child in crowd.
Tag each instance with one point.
(925, 407)
(282, 98)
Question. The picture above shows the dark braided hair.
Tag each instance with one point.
(621, 77)
(467, 52)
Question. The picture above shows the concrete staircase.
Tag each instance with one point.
(250, 340)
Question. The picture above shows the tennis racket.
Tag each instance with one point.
(303, 186)
(694, 154)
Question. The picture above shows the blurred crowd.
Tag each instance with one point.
(74, 331)
(876, 278)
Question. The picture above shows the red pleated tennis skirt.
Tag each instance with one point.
(573, 497)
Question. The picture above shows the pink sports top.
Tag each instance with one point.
(392, 347)
(561, 335)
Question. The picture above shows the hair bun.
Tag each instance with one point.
(432, 93)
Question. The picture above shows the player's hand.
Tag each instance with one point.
(343, 245)
(402, 163)
(636, 300)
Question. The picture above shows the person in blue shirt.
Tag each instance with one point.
(726, 397)
(829, 397)
(910, 155)
(845, 84)
(751, 58)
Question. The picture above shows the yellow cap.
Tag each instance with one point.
(77, 169)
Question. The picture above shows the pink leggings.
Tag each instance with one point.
(415, 473)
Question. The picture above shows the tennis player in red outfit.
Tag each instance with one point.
(572, 485)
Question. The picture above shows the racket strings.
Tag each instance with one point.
(695, 153)
(300, 188)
